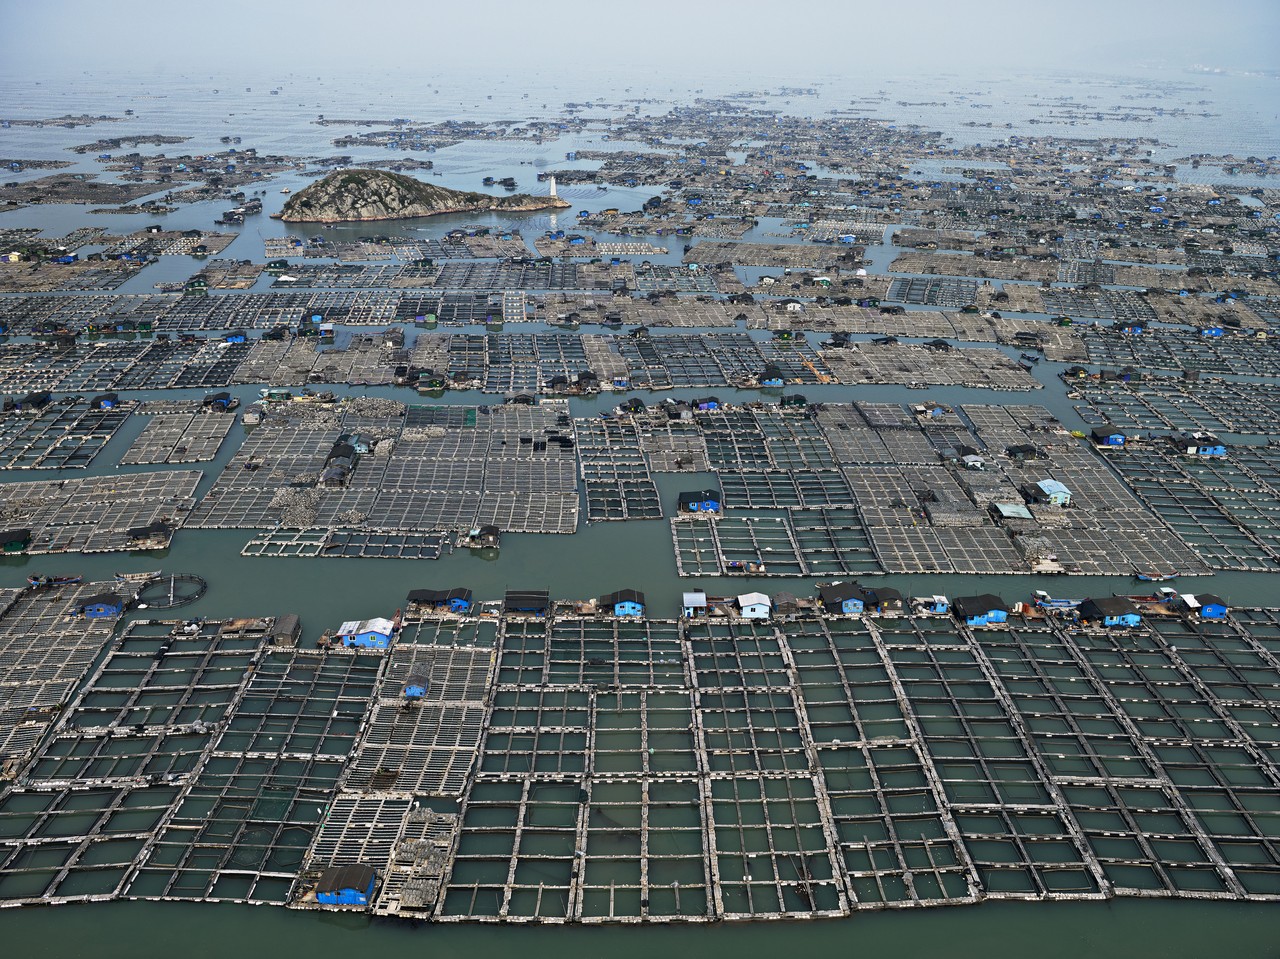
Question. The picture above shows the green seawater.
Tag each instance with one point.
(1120, 929)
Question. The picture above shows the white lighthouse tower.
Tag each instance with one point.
(553, 185)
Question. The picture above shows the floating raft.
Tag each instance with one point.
(592, 769)
(347, 544)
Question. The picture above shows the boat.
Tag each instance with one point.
(286, 190)
(310, 396)
(138, 577)
(40, 581)
(220, 401)
(1154, 577)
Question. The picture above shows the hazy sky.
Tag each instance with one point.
(804, 39)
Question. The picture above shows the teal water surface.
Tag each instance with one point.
(1120, 929)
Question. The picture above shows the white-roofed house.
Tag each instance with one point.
(754, 606)
(368, 633)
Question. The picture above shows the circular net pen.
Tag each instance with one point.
(171, 591)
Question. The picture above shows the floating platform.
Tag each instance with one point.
(577, 769)
(348, 544)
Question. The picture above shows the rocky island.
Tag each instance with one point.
(353, 195)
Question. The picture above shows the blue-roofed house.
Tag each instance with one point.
(1054, 492)
(103, 606)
